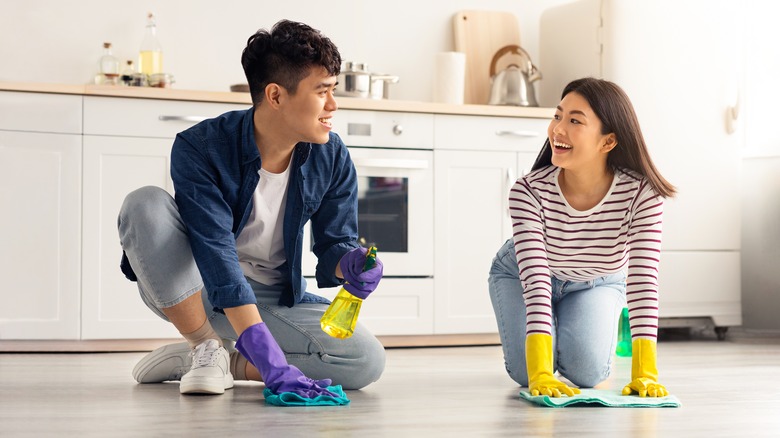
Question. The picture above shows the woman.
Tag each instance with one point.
(586, 241)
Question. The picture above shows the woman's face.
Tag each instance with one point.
(575, 136)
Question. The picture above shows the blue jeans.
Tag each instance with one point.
(157, 245)
(585, 317)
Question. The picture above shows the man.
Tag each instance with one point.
(223, 260)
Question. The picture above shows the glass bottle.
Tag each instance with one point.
(341, 316)
(150, 57)
(624, 335)
(128, 73)
(108, 66)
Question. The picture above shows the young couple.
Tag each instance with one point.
(222, 260)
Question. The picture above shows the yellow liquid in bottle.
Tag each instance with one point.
(340, 318)
(150, 62)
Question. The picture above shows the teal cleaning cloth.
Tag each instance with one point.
(602, 397)
(293, 399)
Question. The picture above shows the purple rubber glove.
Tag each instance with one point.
(259, 347)
(359, 283)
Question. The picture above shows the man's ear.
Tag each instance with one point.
(610, 142)
(273, 94)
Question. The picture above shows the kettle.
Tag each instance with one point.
(513, 85)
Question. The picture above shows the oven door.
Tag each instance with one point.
(395, 210)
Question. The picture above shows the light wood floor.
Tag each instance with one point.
(728, 389)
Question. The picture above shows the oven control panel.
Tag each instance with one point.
(384, 129)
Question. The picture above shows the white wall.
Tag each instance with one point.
(60, 41)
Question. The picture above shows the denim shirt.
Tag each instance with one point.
(214, 166)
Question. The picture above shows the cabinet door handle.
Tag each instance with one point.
(194, 119)
(524, 134)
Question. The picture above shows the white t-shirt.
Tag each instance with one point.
(260, 245)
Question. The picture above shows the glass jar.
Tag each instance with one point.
(161, 80)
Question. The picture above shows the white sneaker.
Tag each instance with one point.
(210, 372)
(168, 362)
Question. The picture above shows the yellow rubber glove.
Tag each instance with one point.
(644, 371)
(539, 360)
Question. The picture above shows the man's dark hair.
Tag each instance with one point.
(285, 56)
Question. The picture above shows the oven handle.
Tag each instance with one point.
(389, 163)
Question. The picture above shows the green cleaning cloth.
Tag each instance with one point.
(603, 397)
(293, 399)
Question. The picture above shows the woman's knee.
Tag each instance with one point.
(586, 373)
(519, 374)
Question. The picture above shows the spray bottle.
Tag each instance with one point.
(624, 335)
(341, 316)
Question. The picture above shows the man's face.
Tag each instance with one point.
(307, 113)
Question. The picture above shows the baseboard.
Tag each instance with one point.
(131, 345)
(88, 346)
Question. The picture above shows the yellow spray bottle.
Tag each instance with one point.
(341, 316)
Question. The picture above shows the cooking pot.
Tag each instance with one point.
(356, 81)
(513, 85)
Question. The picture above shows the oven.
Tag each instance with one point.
(393, 157)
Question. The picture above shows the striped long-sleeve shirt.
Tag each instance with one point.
(553, 239)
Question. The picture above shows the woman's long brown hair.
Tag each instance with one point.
(613, 107)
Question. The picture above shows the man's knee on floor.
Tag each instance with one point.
(369, 367)
(359, 368)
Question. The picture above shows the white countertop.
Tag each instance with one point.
(230, 97)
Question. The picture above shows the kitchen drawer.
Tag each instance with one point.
(384, 129)
(40, 112)
(147, 117)
(480, 133)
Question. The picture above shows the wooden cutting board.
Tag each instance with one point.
(480, 34)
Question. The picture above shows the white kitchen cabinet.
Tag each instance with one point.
(126, 146)
(476, 161)
(40, 200)
(114, 167)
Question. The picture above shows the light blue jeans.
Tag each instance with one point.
(156, 243)
(585, 317)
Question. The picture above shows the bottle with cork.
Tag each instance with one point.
(108, 67)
